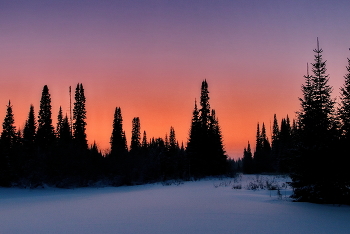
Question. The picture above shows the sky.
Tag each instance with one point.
(150, 57)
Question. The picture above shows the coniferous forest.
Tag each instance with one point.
(60, 156)
(313, 148)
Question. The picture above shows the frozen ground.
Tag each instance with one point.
(209, 206)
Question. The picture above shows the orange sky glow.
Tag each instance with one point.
(150, 57)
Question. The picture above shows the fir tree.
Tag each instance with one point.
(9, 133)
(8, 141)
(135, 145)
(65, 134)
(118, 140)
(247, 160)
(59, 122)
(144, 140)
(46, 133)
(205, 151)
(79, 117)
(316, 136)
(29, 131)
(275, 144)
(344, 110)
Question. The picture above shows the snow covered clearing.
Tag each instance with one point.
(207, 206)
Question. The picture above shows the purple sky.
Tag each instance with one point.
(149, 58)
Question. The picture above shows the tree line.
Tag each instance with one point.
(315, 148)
(60, 156)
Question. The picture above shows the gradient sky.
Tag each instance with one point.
(149, 58)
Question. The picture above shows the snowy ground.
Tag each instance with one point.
(209, 206)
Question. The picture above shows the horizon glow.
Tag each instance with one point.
(149, 58)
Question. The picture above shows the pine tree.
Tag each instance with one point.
(144, 140)
(8, 141)
(205, 150)
(59, 122)
(344, 116)
(135, 145)
(79, 117)
(8, 135)
(45, 133)
(29, 131)
(193, 148)
(275, 144)
(316, 136)
(118, 140)
(247, 160)
(344, 110)
(65, 134)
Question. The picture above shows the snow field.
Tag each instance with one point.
(207, 206)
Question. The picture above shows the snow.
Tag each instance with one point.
(207, 206)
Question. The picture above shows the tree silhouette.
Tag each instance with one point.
(316, 135)
(135, 145)
(29, 131)
(79, 116)
(205, 152)
(45, 133)
(247, 160)
(118, 139)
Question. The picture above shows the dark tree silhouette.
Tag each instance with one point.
(316, 137)
(205, 150)
(8, 141)
(46, 133)
(79, 117)
(247, 160)
(135, 145)
(344, 110)
(59, 122)
(8, 134)
(29, 131)
(118, 139)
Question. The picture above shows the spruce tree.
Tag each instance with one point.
(9, 133)
(135, 145)
(45, 133)
(344, 116)
(247, 160)
(344, 110)
(79, 117)
(59, 122)
(275, 144)
(193, 148)
(65, 134)
(118, 140)
(205, 150)
(8, 141)
(29, 131)
(316, 121)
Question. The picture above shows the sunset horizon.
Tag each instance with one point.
(149, 58)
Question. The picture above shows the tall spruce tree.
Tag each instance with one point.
(45, 133)
(59, 122)
(344, 116)
(205, 151)
(118, 139)
(135, 145)
(312, 180)
(8, 134)
(247, 160)
(275, 144)
(8, 141)
(79, 117)
(344, 110)
(29, 131)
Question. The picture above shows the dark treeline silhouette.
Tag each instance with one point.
(314, 150)
(42, 154)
